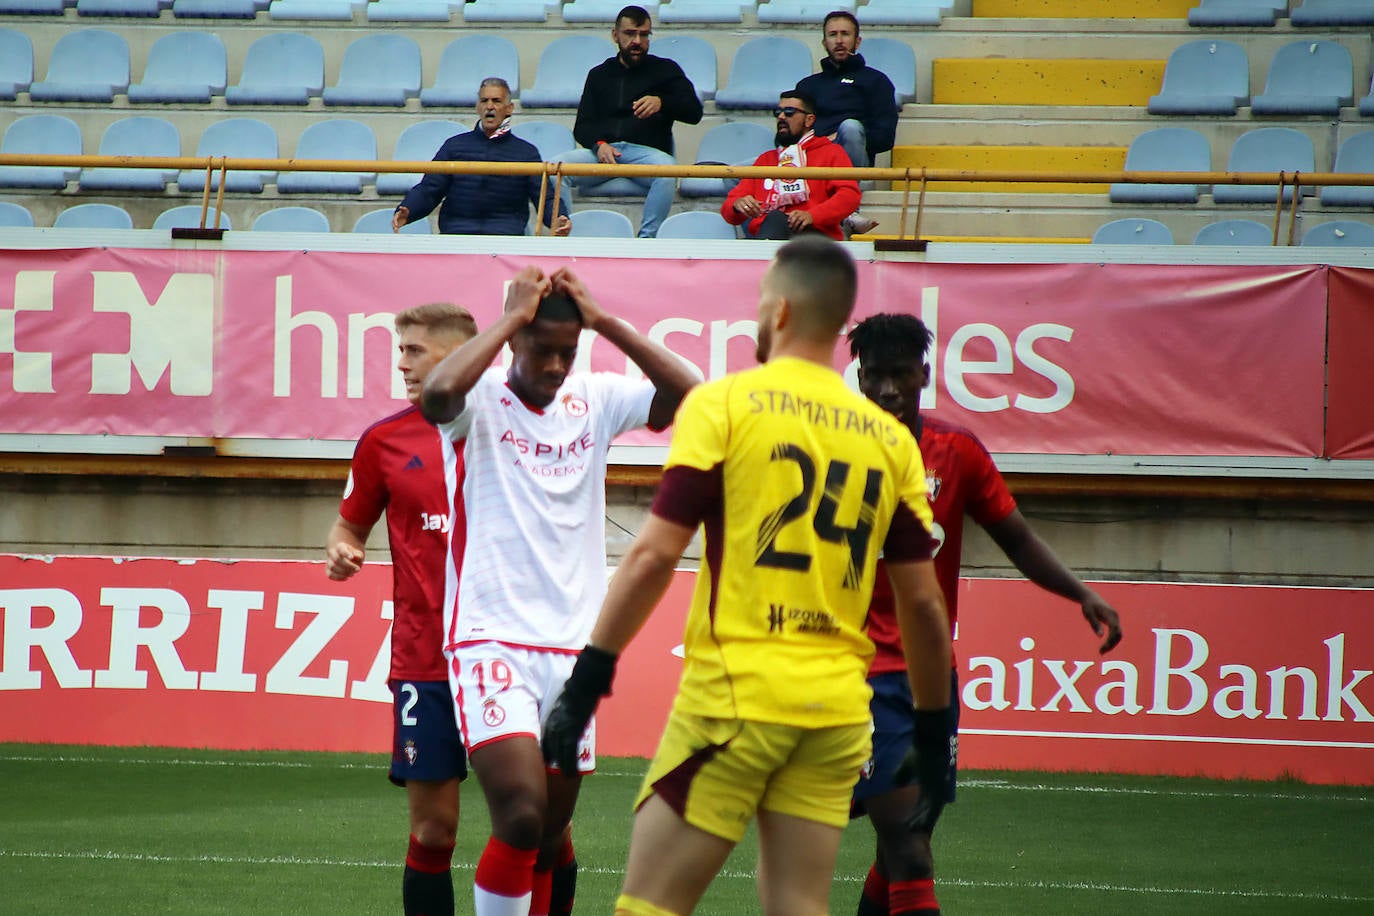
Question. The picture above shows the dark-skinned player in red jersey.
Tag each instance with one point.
(962, 481)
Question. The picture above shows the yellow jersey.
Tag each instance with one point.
(799, 483)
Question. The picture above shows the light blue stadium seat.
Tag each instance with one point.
(1164, 149)
(94, 216)
(291, 219)
(761, 69)
(1235, 232)
(188, 217)
(1341, 233)
(183, 67)
(1354, 155)
(895, 58)
(602, 10)
(341, 138)
(411, 10)
(15, 216)
(122, 8)
(701, 11)
(696, 57)
(508, 10)
(1237, 13)
(562, 71)
(139, 136)
(549, 137)
(315, 10)
(1329, 13)
(54, 134)
(16, 63)
(379, 221)
(606, 224)
(904, 12)
(1307, 77)
(86, 65)
(810, 12)
(34, 7)
(240, 138)
(1133, 231)
(731, 143)
(696, 224)
(1210, 76)
(217, 9)
(281, 68)
(379, 69)
(465, 63)
(417, 143)
(1366, 104)
(1266, 149)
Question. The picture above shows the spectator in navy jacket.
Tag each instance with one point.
(484, 204)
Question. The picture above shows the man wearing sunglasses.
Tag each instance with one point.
(779, 208)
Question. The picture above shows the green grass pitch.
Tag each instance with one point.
(117, 831)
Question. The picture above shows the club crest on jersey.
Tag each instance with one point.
(932, 487)
(492, 714)
(575, 406)
(411, 752)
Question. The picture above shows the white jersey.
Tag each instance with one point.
(534, 569)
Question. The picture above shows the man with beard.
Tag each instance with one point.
(779, 208)
(483, 204)
(626, 115)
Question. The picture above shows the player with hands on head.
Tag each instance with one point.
(403, 466)
(963, 481)
(799, 483)
(536, 439)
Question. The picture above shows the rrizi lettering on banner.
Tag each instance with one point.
(1181, 684)
(148, 628)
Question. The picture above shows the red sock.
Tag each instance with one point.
(505, 870)
(542, 890)
(873, 901)
(913, 897)
(427, 860)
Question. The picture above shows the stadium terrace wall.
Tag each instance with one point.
(273, 655)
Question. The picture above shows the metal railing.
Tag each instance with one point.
(912, 180)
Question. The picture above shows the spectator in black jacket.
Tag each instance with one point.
(626, 115)
(483, 204)
(856, 105)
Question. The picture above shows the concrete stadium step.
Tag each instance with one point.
(987, 239)
(1045, 81)
(1013, 158)
(1083, 9)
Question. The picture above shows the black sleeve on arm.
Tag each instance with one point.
(592, 120)
(881, 128)
(425, 196)
(679, 96)
(686, 495)
(907, 539)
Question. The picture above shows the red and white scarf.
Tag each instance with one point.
(787, 192)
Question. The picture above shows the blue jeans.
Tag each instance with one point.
(853, 139)
(659, 192)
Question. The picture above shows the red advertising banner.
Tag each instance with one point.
(290, 345)
(1350, 409)
(1226, 681)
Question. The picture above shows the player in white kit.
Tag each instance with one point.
(534, 571)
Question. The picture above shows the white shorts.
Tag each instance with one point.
(503, 691)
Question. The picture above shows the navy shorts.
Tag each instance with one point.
(894, 728)
(425, 743)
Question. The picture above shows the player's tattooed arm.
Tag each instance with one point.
(446, 388)
(671, 376)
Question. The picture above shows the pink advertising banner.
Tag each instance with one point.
(291, 345)
(1257, 682)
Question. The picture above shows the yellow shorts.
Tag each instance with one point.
(715, 773)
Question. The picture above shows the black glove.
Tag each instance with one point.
(590, 681)
(930, 763)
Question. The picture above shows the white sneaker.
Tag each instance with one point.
(858, 224)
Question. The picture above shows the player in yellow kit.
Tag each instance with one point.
(799, 483)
